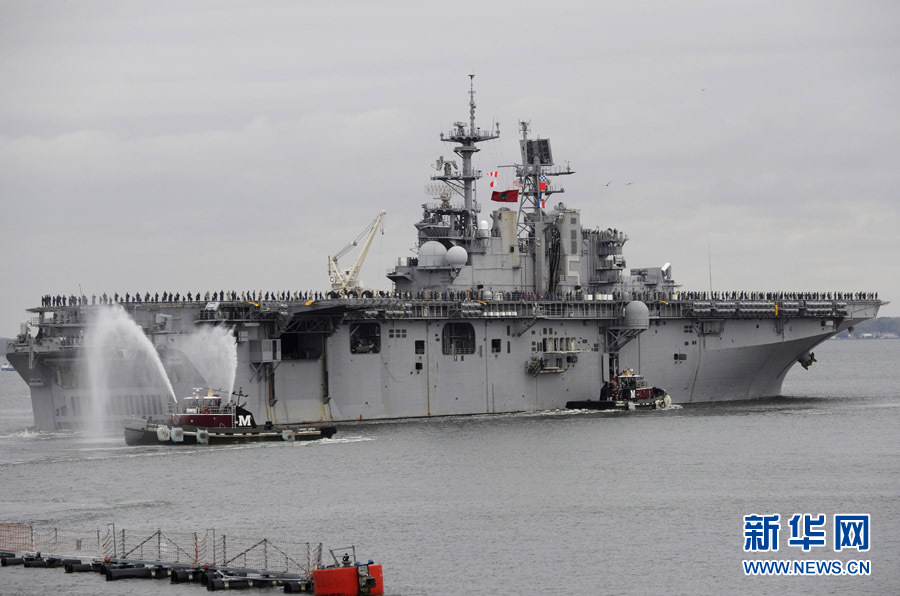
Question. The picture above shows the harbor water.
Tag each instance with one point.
(548, 503)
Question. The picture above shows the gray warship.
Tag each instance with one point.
(523, 311)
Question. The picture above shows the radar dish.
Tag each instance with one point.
(457, 256)
(432, 254)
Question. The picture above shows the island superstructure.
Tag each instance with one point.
(521, 311)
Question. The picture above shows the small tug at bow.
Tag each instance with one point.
(205, 419)
(626, 391)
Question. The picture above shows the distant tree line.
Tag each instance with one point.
(878, 326)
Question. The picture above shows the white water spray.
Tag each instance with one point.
(121, 362)
(213, 352)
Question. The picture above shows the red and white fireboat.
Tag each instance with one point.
(204, 419)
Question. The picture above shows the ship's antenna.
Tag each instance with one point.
(472, 104)
(462, 181)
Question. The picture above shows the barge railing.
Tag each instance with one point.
(195, 549)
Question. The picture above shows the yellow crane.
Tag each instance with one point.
(346, 283)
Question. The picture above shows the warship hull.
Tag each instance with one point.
(306, 363)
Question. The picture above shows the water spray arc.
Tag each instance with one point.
(120, 359)
(213, 352)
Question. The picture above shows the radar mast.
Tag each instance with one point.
(463, 181)
(534, 174)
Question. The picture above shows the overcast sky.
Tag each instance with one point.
(183, 146)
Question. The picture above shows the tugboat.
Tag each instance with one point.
(626, 391)
(205, 420)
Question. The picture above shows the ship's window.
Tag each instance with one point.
(420, 346)
(496, 346)
(365, 338)
(574, 222)
(458, 338)
(507, 330)
(397, 333)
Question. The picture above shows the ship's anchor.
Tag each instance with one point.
(806, 359)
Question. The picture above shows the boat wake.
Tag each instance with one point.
(335, 441)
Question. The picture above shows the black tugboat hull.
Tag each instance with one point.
(628, 404)
(593, 405)
(162, 434)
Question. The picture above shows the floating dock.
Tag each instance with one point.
(216, 561)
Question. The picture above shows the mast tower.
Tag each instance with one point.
(463, 182)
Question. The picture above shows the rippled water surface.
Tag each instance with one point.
(550, 503)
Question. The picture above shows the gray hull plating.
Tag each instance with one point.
(314, 374)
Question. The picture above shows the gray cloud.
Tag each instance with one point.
(216, 145)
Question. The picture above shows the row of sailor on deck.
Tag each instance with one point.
(222, 295)
(516, 296)
(781, 295)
